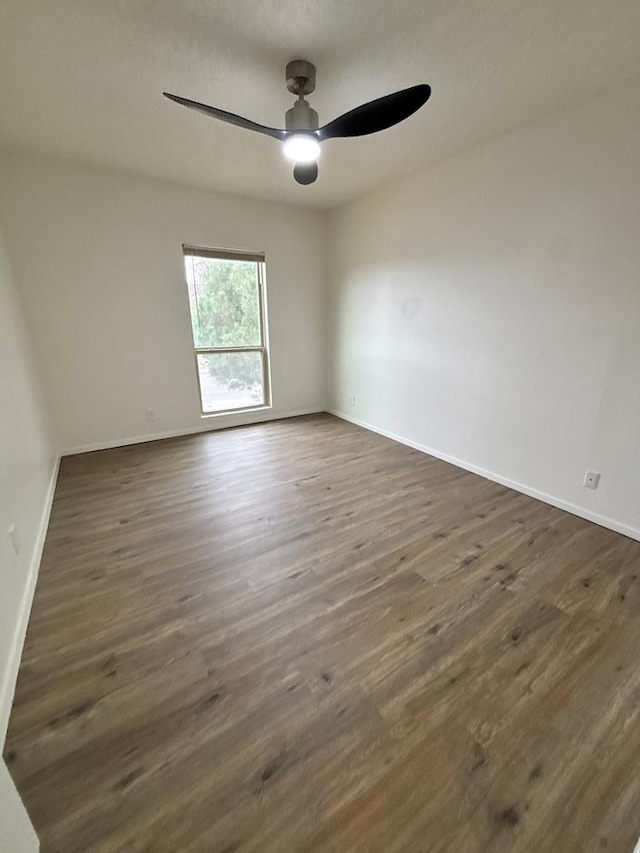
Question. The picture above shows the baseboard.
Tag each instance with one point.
(24, 611)
(209, 426)
(596, 518)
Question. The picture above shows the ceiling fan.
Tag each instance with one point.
(301, 136)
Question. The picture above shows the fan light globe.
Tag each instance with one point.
(301, 147)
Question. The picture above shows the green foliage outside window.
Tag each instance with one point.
(225, 312)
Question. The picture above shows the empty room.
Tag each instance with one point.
(319, 441)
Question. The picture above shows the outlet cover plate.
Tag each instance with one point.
(591, 479)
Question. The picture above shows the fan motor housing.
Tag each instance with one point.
(301, 117)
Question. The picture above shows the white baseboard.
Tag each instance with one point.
(596, 518)
(243, 419)
(24, 610)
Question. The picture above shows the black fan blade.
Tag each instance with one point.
(305, 173)
(231, 118)
(377, 115)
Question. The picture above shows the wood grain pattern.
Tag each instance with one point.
(301, 636)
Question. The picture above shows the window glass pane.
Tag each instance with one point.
(230, 380)
(223, 297)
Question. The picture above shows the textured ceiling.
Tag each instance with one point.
(83, 80)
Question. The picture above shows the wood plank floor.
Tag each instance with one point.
(300, 636)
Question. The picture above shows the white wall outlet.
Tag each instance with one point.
(14, 539)
(352, 400)
(150, 416)
(591, 480)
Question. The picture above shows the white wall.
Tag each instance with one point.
(27, 474)
(98, 262)
(16, 833)
(489, 308)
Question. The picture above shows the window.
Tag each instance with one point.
(226, 300)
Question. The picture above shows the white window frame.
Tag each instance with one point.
(263, 347)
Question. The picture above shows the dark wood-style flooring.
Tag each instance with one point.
(300, 636)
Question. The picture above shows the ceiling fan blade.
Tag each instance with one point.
(377, 115)
(230, 118)
(305, 173)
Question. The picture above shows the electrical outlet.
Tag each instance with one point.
(14, 539)
(591, 480)
(352, 400)
(150, 416)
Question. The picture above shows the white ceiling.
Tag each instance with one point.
(83, 80)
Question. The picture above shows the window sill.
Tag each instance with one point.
(228, 412)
